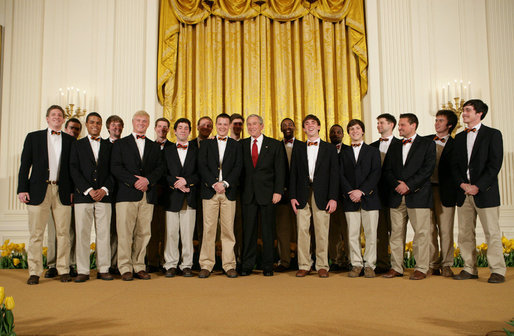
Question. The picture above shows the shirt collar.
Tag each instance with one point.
(259, 138)
(51, 130)
(412, 137)
(477, 126)
(135, 136)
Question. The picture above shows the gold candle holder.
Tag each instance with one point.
(70, 112)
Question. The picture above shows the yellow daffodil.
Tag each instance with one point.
(5, 253)
(508, 244)
(93, 246)
(504, 240)
(454, 245)
(15, 261)
(507, 250)
(45, 250)
(2, 294)
(456, 252)
(9, 303)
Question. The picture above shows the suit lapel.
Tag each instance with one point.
(189, 157)
(478, 140)
(44, 144)
(90, 150)
(413, 148)
(362, 153)
(264, 150)
(321, 154)
(133, 144)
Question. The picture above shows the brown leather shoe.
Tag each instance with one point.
(433, 271)
(417, 275)
(186, 272)
(33, 280)
(369, 272)
(355, 272)
(392, 274)
(281, 269)
(204, 273)
(65, 277)
(463, 275)
(323, 273)
(142, 275)
(447, 272)
(302, 273)
(170, 272)
(127, 276)
(496, 278)
(231, 273)
(51, 273)
(82, 278)
(104, 276)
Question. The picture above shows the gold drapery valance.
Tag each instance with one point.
(275, 58)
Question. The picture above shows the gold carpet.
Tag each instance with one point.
(257, 305)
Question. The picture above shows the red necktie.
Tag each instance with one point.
(255, 153)
(338, 146)
(182, 146)
(384, 139)
(312, 143)
(95, 138)
(56, 133)
(222, 139)
(467, 130)
(356, 145)
(140, 136)
(443, 140)
(288, 141)
(406, 141)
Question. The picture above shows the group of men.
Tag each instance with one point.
(148, 199)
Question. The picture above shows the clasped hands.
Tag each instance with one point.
(97, 195)
(180, 184)
(402, 188)
(469, 189)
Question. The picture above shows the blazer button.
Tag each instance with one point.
(94, 180)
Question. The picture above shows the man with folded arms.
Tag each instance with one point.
(136, 163)
(46, 156)
(444, 190)
(408, 168)
(360, 172)
(90, 161)
(220, 169)
(313, 189)
(182, 179)
(476, 163)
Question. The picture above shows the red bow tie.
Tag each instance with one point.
(338, 146)
(222, 139)
(471, 130)
(96, 138)
(443, 140)
(56, 133)
(312, 143)
(406, 141)
(356, 145)
(384, 139)
(161, 142)
(288, 141)
(140, 136)
(182, 146)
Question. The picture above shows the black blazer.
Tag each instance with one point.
(267, 178)
(416, 173)
(175, 197)
(126, 163)
(161, 187)
(209, 167)
(447, 185)
(35, 156)
(87, 173)
(285, 197)
(326, 175)
(383, 187)
(484, 165)
(362, 175)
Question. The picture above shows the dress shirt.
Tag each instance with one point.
(406, 147)
(112, 139)
(289, 150)
(163, 143)
(357, 150)
(182, 153)
(338, 147)
(383, 147)
(140, 145)
(439, 147)
(54, 143)
(312, 156)
(95, 146)
(470, 142)
(259, 143)
(221, 150)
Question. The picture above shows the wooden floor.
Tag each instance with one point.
(257, 305)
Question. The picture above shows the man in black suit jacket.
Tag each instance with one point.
(408, 167)
(220, 169)
(385, 126)
(90, 162)
(444, 191)
(286, 220)
(476, 163)
(181, 181)
(137, 166)
(46, 155)
(360, 172)
(264, 171)
(313, 189)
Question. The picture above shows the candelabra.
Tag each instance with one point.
(70, 112)
(71, 101)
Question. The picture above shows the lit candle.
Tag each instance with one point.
(442, 96)
(85, 101)
(67, 96)
(461, 91)
(78, 98)
(469, 90)
(455, 93)
(448, 93)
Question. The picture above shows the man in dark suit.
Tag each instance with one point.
(90, 161)
(444, 190)
(182, 180)
(137, 165)
(286, 219)
(385, 126)
(408, 167)
(313, 189)
(220, 169)
(155, 249)
(360, 172)
(264, 171)
(46, 155)
(236, 131)
(478, 157)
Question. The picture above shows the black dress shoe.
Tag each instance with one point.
(267, 273)
(51, 273)
(245, 273)
(187, 272)
(33, 280)
(281, 269)
(463, 275)
(73, 272)
(82, 278)
(65, 277)
(496, 278)
(171, 272)
(114, 271)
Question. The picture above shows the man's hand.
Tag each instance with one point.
(24, 197)
(184, 189)
(100, 194)
(276, 198)
(331, 206)
(294, 204)
(402, 188)
(94, 194)
(355, 195)
(141, 183)
(180, 182)
(219, 187)
(472, 190)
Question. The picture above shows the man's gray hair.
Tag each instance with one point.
(261, 121)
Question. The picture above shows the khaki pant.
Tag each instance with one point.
(38, 219)
(218, 207)
(179, 224)
(420, 221)
(338, 245)
(441, 227)
(133, 226)
(369, 220)
(321, 226)
(98, 214)
(51, 241)
(489, 217)
(286, 232)
(383, 233)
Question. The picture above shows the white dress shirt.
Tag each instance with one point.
(357, 150)
(95, 146)
(383, 147)
(470, 142)
(312, 156)
(222, 145)
(406, 147)
(182, 153)
(259, 143)
(163, 143)
(140, 145)
(54, 146)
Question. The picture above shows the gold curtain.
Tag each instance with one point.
(275, 58)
